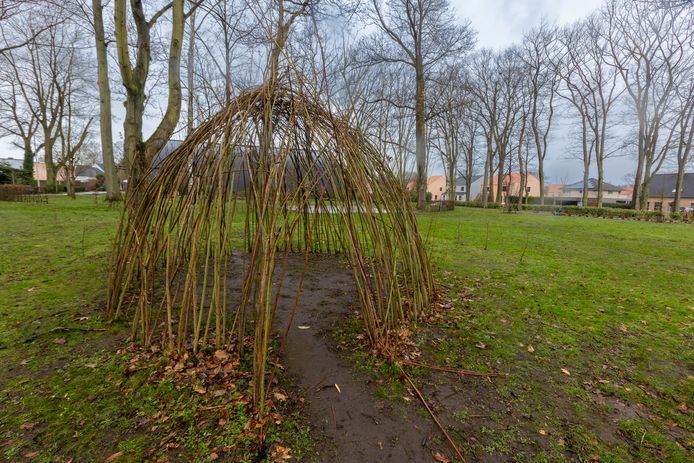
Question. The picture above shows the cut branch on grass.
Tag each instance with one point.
(433, 416)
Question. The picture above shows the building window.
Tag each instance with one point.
(436, 197)
(504, 188)
(488, 189)
(527, 189)
(658, 206)
(440, 188)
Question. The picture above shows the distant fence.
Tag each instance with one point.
(22, 193)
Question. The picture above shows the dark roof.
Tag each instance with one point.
(461, 180)
(88, 171)
(593, 186)
(13, 163)
(663, 186)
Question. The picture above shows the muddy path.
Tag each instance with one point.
(350, 424)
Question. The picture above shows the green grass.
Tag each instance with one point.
(611, 302)
(63, 391)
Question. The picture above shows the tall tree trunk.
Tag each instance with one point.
(487, 172)
(678, 186)
(541, 174)
(28, 162)
(601, 181)
(133, 146)
(420, 137)
(190, 71)
(683, 152)
(48, 160)
(110, 171)
(638, 178)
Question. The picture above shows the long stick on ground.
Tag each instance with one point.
(433, 416)
(457, 371)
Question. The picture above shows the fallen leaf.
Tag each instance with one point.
(683, 407)
(91, 365)
(30, 289)
(83, 318)
(380, 445)
(27, 426)
(531, 349)
(200, 390)
(279, 396)
(566, 372)
(438, 456)
(481, 345)
(221, 355)
(30, 454)
(542, 432)
(303, 327)
(623, 328)
(281, 453)
(213, 456)
(561, 442)
(59, 341)
(114, 457)
(24, 362)
(603, 381)
(338, 388)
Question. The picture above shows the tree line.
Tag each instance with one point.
(415, 83)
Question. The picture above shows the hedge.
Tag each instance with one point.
(604, 212)
(581, 211)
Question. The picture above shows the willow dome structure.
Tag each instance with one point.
(274, 172)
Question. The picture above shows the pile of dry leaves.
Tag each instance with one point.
(223, 391)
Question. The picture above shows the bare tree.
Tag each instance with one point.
(449, 113)
(421, 34)
(16, 118)
(509, 71)
(592, 88)
(485, 87)
(110, 173)
(139, 152)
(685, 136)
(41, 72)
(647, 47)
(537, 53)
(73, 130)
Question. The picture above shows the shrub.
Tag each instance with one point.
(413, 196)
(490, 205)
(15, 192)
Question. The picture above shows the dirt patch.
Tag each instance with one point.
(351, 423)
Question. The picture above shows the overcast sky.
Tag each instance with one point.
(499, 23)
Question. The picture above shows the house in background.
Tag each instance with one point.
(572, 194)
(511, 185)
(661, 193)
(86, 176)
(436, 186)
(475, 185)
(554, 190)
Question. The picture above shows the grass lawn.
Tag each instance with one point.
(68, 388)
(593, 320)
